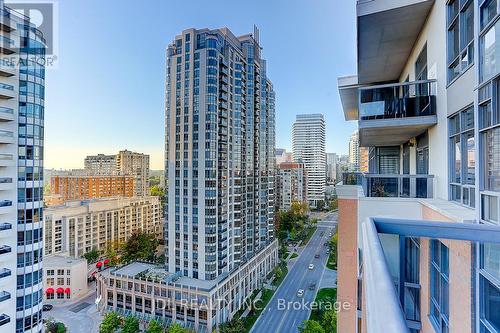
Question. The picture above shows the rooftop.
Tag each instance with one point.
(61, 261)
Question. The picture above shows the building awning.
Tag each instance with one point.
(49, 291)
(99, 264)
(60, 290)
(106, 261)
(67, 291)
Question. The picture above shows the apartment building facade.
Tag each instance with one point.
(354, 153)
(78, 227)
(291, 185)
(92, 187)
(101, 165)
(308, 145)
(125, 163)
(431, 187)
(219, 152)
(136, 165)
(22, 82)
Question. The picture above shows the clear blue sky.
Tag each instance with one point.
(108, 91)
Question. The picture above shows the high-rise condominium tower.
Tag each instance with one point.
(308, 143)
(22, 75)
(354, 151)
(219, 158)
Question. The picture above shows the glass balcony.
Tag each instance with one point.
(391, 114)
(5, 249)
(5, 226)
(4, 319)
(4, 272)
(5, 203)
(392, 185)
(401, 100)
(4, 296)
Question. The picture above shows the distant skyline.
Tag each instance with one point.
(108, 92)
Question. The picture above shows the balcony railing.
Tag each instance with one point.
(5, 203)
(5, 249)
(4, 272)
(400, 100)
(4, 296)
(5, 226)
(391, 185)
(4, 319)
(383, 302)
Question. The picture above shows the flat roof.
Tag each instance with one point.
(61, 261)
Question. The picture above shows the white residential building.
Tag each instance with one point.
(308, 142)
(77, 227)
(354, 151)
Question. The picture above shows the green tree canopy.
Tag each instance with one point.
(235, 325)
(176, 328)
(140, 246)
(311, 326)
(154, 327)
(329, 321)
(110, 323)
(131, 325)
(157, 191)
(91, 256)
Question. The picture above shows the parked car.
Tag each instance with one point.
(316, 255)
(311, 266)
(300, 292)
(47, 307)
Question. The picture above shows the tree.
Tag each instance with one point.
(233, 326)
(52, 326)
(157, 191)
(176, 328)
(140, 246)
(311, 326)
(329, 321)
(154, 327)
(110, 323)
(92, 256)
(112, 252)
(131, 325)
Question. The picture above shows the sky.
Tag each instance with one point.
(108, 90)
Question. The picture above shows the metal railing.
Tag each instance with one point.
(398, 100)
(4, 319)
(4, 272)
(391, 185)
(383, 303)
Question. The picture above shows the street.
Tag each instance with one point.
(79, 317)
(278, 316)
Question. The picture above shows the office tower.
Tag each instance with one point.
(354, 151)
(78, 227)
(290, 185)
(91, 187)
(331, 167)
(428, 116)
(136, 165)
(100, 164)
(282, 156)
(308, 142)
(21, 172)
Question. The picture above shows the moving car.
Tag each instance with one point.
(311, 266)
(47, 307)
(312, 286)
(300, 292)
(316, 255)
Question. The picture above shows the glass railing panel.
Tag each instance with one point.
(409, 99)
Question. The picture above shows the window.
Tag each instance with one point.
(439, 281)
(462, 157)
(460, 36)
(412, 279)
(489, 280)
(488, 12)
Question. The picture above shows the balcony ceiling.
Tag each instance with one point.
(348, 90)
(387, 32)
(392, 132)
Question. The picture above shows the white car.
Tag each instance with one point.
(300, 292)
(311, 266)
